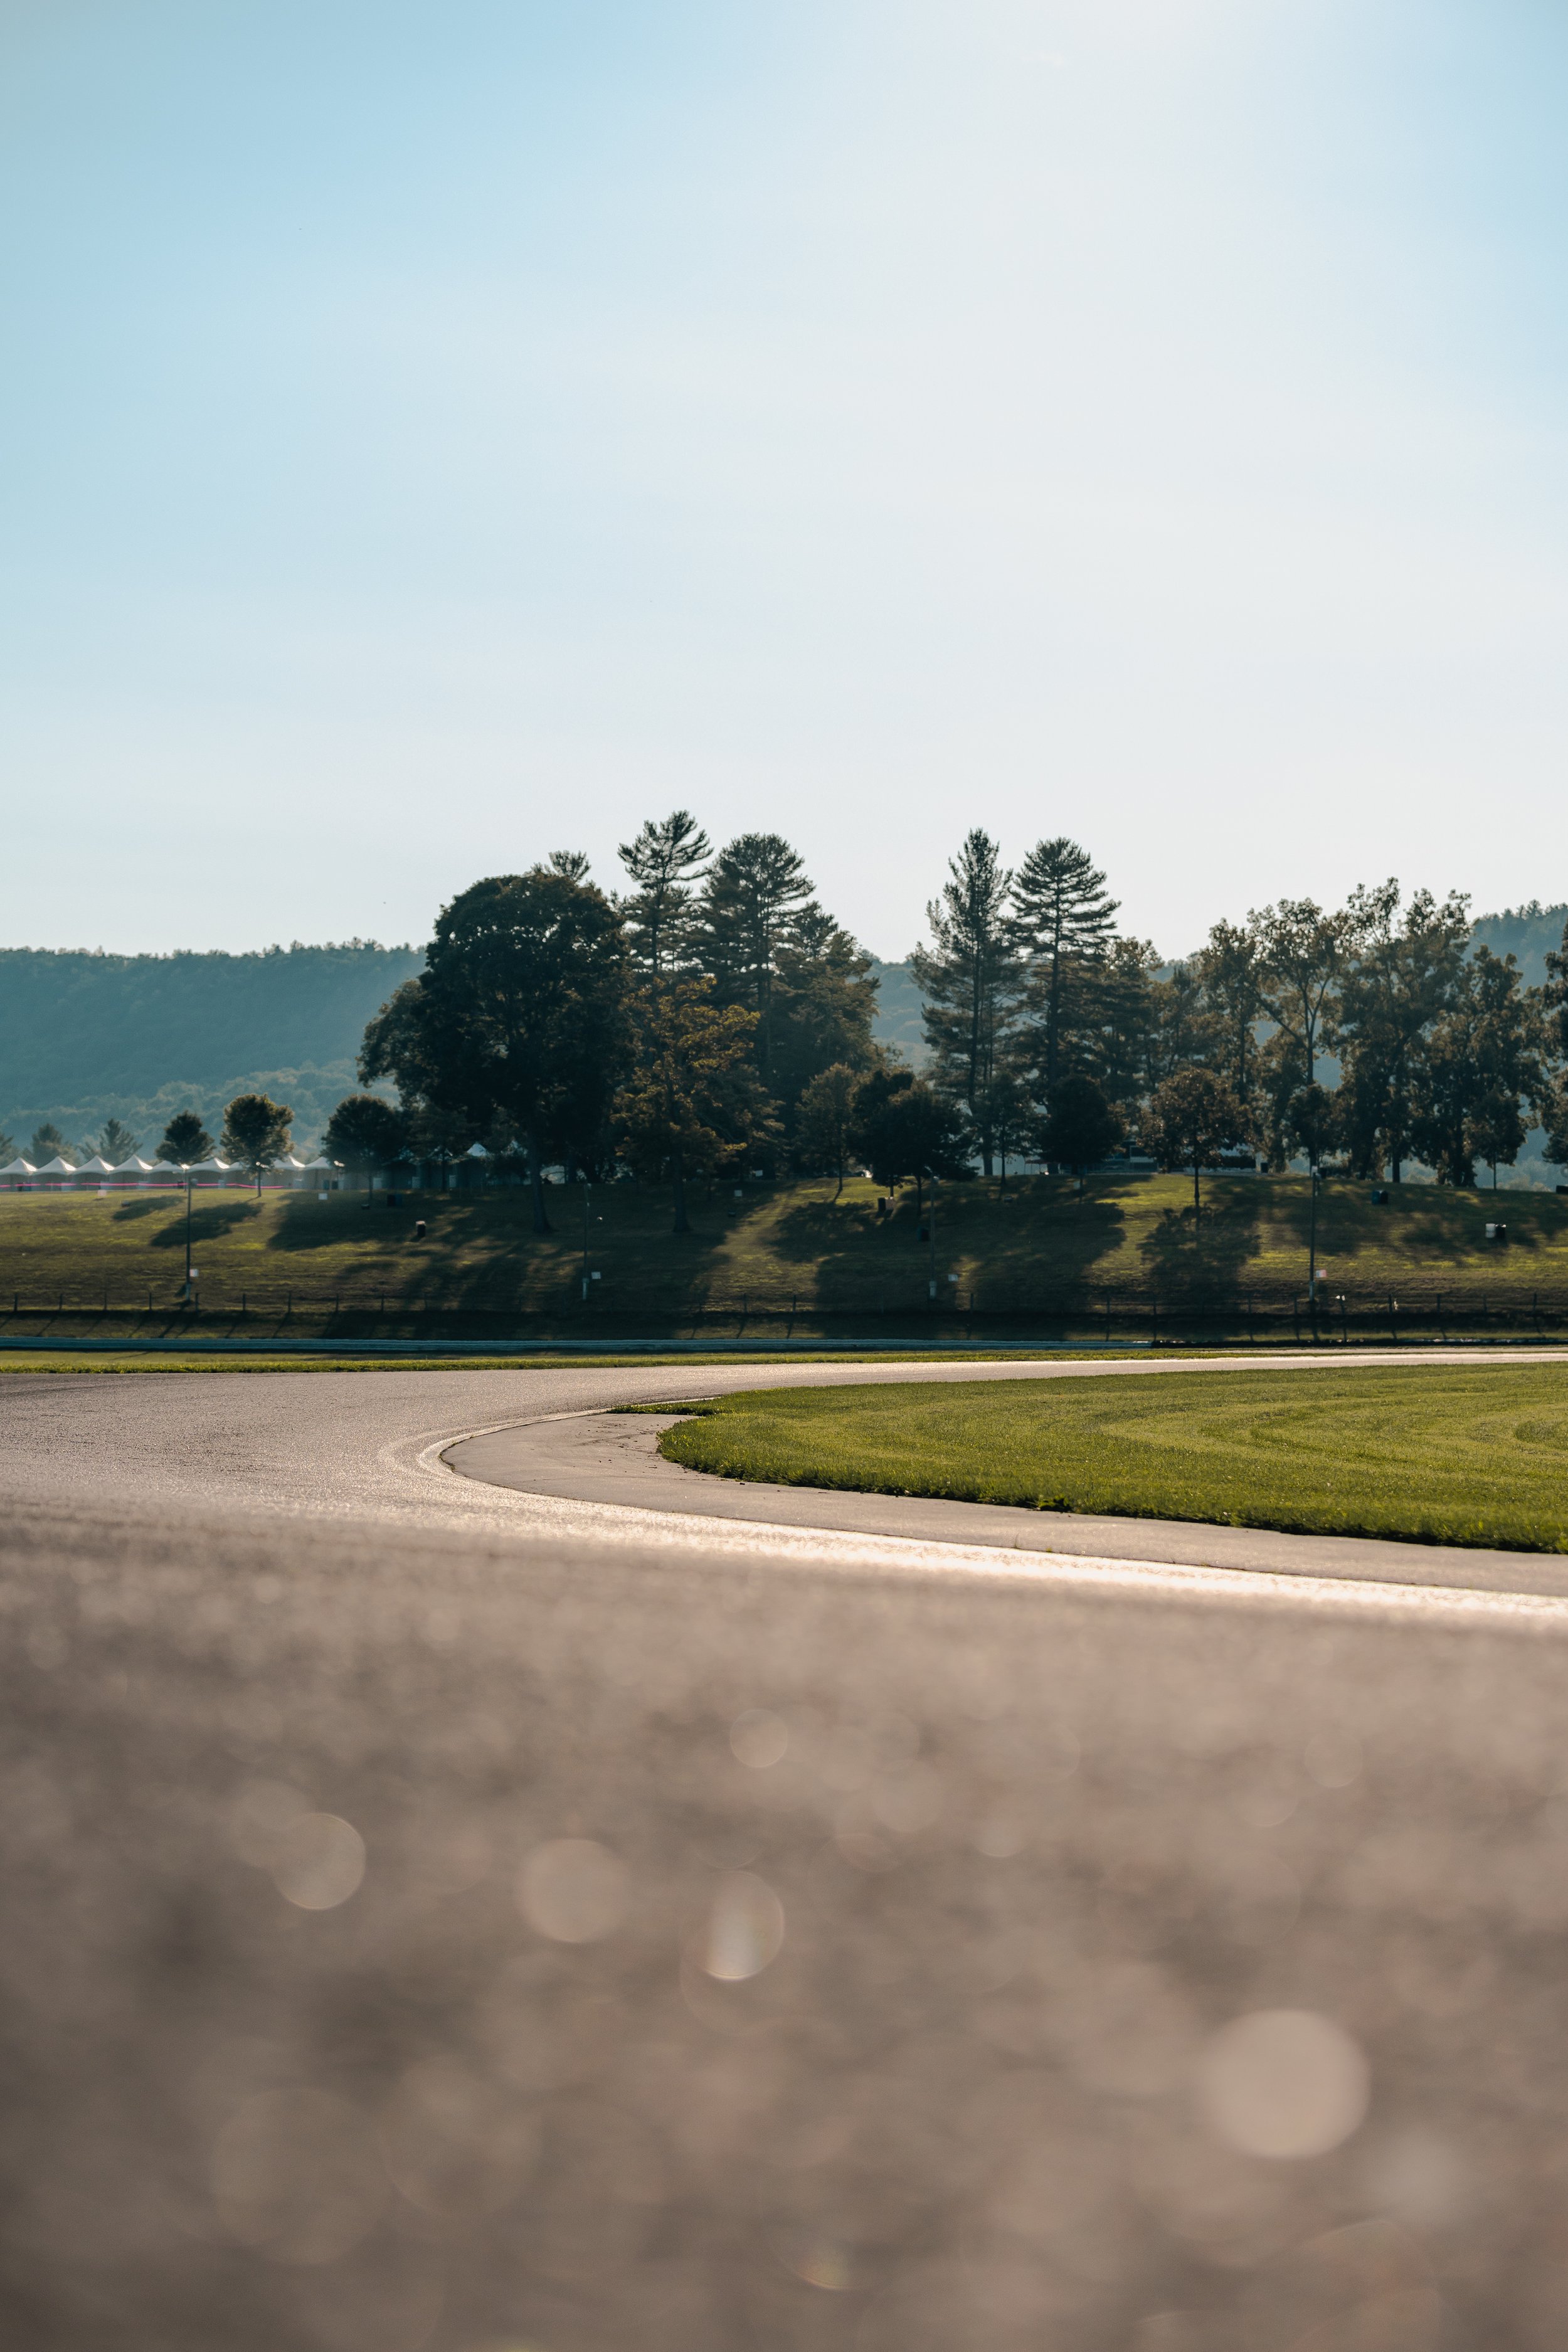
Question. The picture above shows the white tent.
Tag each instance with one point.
(133, 1167)
(213, 1167)
(97, 1166)
(19, 1168)
(165, 1167)
(57, 1167)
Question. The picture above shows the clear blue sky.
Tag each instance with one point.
(438, 434)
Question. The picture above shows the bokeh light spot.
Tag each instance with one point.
(760, 1739)
(745, 1928)
(317, 1861)
(1283, 2082)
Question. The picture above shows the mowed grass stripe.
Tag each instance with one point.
(1473, 1456)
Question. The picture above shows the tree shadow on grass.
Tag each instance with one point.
(1208, 1251)
(1033, 1243)
(212, 1221)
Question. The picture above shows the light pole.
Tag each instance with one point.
(587, 1198)
(190, 1271)
(1313, 1249)
(930, 1285)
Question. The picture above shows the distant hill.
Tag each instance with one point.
(898, 1021)
(1524, 933)
(86, 1036)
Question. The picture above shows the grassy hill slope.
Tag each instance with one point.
(1031, 1254)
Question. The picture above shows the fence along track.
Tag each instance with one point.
(1456, 1309)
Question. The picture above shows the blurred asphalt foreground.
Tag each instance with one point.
(451, 1940)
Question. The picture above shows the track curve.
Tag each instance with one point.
(442, 1916)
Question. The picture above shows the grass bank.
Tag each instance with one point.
(1127, 1260)
(1431, 1455)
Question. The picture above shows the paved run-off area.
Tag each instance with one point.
(445, 1916)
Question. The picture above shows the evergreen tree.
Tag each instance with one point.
(664, 861)
(1064, 922)
(47, 1144)
(116, 1143)
(752, 902)
(185, 1140)
(969, 980)
(574, 864)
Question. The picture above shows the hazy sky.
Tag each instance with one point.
(438, 434)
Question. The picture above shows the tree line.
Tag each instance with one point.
(683, 1027)
(256, 1134)
(711, 1017)
(1059, 1035)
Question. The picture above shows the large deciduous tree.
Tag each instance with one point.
(255, 1133)
(825, 1122)
(1303, 952)
(367, 1133)
(1064, 922)
(969, 979)
(1403, 971)
(904, 1128)
(1080, 1127)
(518, 1021)
(1230, 974)
(1192, 1118)
(1482, 1056)
(693, 1100)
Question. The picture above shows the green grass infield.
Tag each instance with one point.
(1429, 1453)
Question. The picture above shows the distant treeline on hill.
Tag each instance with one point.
(86, 1036)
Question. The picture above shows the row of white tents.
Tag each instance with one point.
(98, 1171)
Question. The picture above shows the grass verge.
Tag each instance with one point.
(1426, 1454)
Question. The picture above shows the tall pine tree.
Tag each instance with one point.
(664, 861)
(1064, 923)
(969, 979)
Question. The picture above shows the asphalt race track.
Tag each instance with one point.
(447, 1916)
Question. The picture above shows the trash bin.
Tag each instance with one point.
(1379, 1198)
(1497, 1232)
